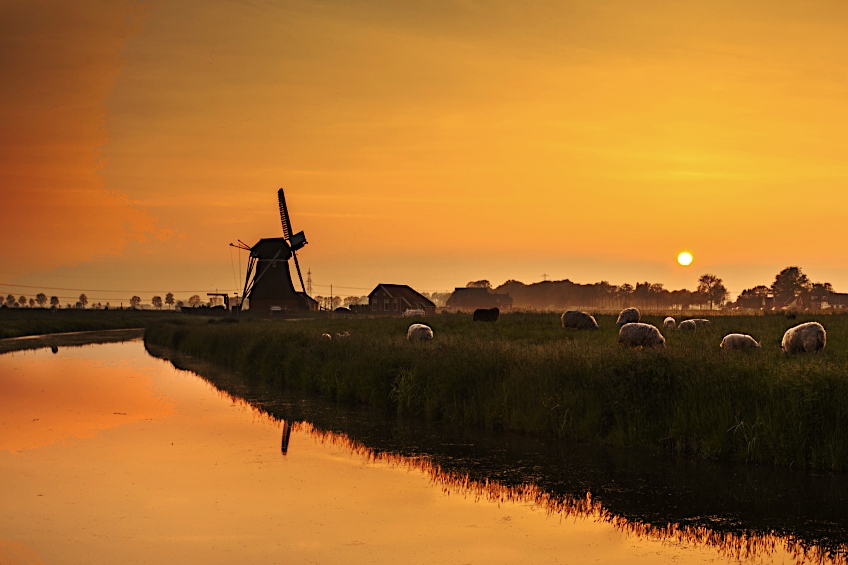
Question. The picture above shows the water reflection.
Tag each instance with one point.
(744, 512)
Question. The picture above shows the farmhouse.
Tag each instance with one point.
(475, 297)
(395, 299)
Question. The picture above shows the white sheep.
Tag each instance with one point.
(578, 320)
(802, 338)
(326, 336)
(738, 342)
(419, 332)
(668, 323)
(640, 335)
(629, 316)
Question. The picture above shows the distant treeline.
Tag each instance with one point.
(791, 289)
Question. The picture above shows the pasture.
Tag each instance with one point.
(526, 373)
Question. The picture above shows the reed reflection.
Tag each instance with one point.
(742, 512)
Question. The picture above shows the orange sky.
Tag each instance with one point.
(428, 144)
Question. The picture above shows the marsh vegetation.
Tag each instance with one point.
(526, 373)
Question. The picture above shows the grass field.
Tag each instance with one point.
(526, 373)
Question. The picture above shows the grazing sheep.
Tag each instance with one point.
(635, 334)
(578, 320)
(486, 315)
(629, 316)
(343, 334)
(738, 342)
(326, 336)
(802, 338)
(668, 323)
(692, 324)
(419, 332)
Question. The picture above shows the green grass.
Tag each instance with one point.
(526, 373)
(18, 322)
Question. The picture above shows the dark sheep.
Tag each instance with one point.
(628, 316)
(578, 320)
(486, 315)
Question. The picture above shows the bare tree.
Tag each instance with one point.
(41, 298)
(194, 301)
(157, 302)
(83, 299)
(134, 302)
(169, 299)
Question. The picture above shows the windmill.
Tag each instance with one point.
(267, 282)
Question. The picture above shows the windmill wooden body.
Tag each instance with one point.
(268, 282)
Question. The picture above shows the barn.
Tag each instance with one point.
(472, 298)
(395, 299)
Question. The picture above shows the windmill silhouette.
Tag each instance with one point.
(267, 282)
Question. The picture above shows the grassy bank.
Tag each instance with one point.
(18, 322)
(526, 373)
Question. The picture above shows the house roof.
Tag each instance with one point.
(399, 290)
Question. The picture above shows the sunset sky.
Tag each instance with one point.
(425, 143)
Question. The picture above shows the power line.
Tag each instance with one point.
(99, 289)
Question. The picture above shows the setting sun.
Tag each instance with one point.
(685, 258)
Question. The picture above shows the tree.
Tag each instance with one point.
(479, 284)
(169, 299)
(180, 304)
(83, 299)
(754, 297)
(194, 301)
(789, 283)
(22, 301)
(157, 302)
(54, 301)
(32, 302)
(712, 289)
(41, 298)
(351, 301)
(10, 301)
(134, 302)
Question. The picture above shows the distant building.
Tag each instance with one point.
(474, 298)
(395, 299)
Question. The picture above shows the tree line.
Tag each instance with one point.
(789, 285)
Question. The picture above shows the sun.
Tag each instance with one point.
(685, 258)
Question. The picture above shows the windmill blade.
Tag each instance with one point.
(297, 266)
(284, 214)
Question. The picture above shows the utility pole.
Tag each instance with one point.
(309, 282)
(544, 277)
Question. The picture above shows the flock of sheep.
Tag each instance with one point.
(803, 338)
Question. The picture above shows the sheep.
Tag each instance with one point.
(738, 342)
(692, 324)
(628, 316)
(419, 332)
(635, 334)
(326, 336)
(578, 320)
(486, 315)
(343, 334)
(802, 338)
(668, 323)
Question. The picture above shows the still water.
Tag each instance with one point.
(109, 454)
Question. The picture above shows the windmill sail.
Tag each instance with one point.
(284, 214)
